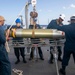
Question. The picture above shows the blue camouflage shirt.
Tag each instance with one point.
(69, 35)
(2, 36)
(53, 24)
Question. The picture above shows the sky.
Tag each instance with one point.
(47, 10)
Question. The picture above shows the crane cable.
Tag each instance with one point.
(6, 44)
(16, 17)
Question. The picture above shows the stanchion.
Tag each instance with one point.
(56, 57)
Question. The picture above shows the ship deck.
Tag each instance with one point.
(40, 67)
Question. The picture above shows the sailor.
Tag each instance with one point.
(18, 40)
(51, 25)
(69, 46)
(5, 67)
(35, 41)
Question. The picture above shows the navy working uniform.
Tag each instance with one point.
(35, 41)
(16, 41)
(5, 67)
(51, 25)
(69, 47)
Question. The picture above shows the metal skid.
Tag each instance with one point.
(54, 44)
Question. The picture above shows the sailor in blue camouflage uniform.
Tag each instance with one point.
(19, 40)
(5, 67)
(36, 40)
(51, 25)
(69, 46)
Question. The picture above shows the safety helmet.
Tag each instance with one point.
(2, 18)
(72, 17)
(18, 20)
(62, 16)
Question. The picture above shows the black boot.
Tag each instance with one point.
(17, 61)
(42, 58)
(24, 61)
(59, 59)
(62, 71)
(50, 61)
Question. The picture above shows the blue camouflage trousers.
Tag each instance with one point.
(5, 67)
